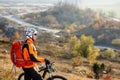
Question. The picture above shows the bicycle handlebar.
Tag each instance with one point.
(46, 67)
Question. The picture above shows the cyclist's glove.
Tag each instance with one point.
(47, 61)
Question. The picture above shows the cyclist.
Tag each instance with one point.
(30, 54)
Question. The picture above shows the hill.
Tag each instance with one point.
(75, 21)
(72, 21)
(64, 63)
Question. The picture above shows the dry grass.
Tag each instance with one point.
(7, 73)
(64, 68)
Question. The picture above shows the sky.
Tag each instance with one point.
(100, 2)
(83, 1)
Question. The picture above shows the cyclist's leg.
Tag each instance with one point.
(27, 77)
(32, 73)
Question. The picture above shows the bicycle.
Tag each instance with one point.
(48, 68)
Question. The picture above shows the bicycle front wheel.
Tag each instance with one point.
(57, 77)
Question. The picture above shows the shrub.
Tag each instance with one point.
(77, 61)
(83, 47)
(109, 54)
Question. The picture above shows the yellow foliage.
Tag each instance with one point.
(83, 47)
(67, 31)
(73, 41)
(109, 53)
(93, 53)
(1, 31)
(21, 16)
(76, 61)
(86, 40)
(97, 16)
(17, 35)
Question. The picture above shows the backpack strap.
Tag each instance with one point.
(30, 55)
(25, 45)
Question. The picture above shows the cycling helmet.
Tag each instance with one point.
(29, 32)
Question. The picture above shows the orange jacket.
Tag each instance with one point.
(30, 54)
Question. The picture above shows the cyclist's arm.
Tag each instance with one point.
(36, 59)
(33, 54)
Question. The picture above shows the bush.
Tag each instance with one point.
(109, 54)
(83, 47)
(77, 61)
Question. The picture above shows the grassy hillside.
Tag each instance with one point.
(61, 16)
(72, 21)
(102, 36)
(75, 21)
(64, 63)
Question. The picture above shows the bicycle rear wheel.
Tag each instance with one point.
(21, 76)
(57, 77)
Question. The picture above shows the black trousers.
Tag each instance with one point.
(31, 73)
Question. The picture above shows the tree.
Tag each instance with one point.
(86, 43)
(73, 44)
(109, 53)
(17, 35)
(1, 31)
(93, 53)
(83, 47)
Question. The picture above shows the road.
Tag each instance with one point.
(104, 47)
(21, 22)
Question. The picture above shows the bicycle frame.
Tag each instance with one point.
(46, 69)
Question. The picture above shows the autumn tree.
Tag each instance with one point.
(17, 35)
(109, 54)
(73, 44)
(86, 43)
(83, 46)
(1, 31)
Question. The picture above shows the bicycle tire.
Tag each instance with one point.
(20, 76)
(57, 77)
